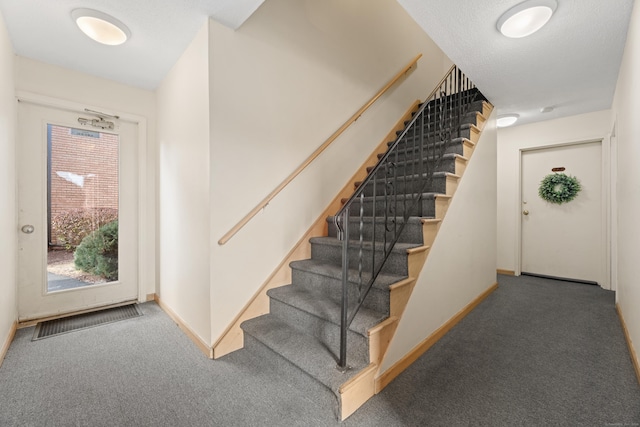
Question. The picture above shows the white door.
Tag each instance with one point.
(566, 240)
(77, 202)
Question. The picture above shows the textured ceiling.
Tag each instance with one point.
(571, 64)
(160, 31)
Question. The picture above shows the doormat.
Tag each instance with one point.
(55, 327)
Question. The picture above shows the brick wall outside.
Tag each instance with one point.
(92, 160)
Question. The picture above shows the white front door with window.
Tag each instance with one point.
(77, 201)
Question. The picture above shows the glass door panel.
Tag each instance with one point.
(82, 207)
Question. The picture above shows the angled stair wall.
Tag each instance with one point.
(460, 269)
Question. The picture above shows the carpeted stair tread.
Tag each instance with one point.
(401, 197)
(411, 233)
(407, 143)
(327, 269)
(303, 351)
(325, 308)
(427, 159)
(380, 220)
(411, 176)
(473, 99)
(430, 132)
(452, 146)
(399, 247)
(469, 117)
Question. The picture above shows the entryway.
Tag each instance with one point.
(564, 240)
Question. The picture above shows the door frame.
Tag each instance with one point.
(605, 226)
(612, 225)
(146, 217)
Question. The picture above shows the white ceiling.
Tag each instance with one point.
(160, 31)
(571, 64)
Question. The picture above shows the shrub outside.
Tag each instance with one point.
(71, 227)
(97, 254)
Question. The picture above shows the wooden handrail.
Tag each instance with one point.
(316, 153)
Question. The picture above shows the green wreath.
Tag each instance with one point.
(559, 188)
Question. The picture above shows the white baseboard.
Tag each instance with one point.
(206, 349)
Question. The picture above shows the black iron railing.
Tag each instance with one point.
(392, 191)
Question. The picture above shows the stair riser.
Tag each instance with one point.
(424, 208)
(413, 141)
(297, 378)
(407, 186)
(396, 263)
(325, 332)
(411, 233)
(454, 147)
(377, 299)
(468, 118)
(475, 106)
(410, 164)
(431, 130)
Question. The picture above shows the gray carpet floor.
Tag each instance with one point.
(536, 352)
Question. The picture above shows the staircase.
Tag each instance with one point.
(331, 354)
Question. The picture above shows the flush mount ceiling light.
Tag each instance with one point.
(526, 18)
(101, 27)
(507, 120)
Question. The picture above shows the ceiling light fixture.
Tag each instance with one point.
(526, 18)
(507, 120)
(101, 27)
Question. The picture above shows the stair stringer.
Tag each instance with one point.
(362, 387)
(232, 338)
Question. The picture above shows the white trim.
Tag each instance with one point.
(606, 209)
(613, 206)
(146, 214)
(518, 207)
(606, 202)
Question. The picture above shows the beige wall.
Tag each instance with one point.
(66, 86)
(626, 110)
(183, 137)
(583, 127)
(280, 85)
(461, 262)
(8, 224)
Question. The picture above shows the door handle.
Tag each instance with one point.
(525, 212)
(28, 229)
